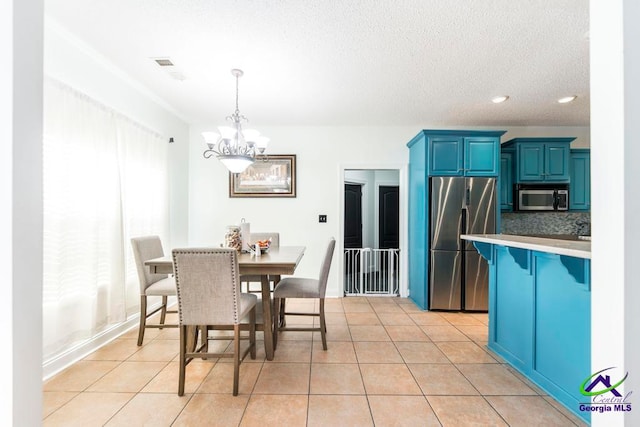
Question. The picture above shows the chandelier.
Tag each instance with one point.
(235, 147)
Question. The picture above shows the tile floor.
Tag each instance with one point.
(388, 364)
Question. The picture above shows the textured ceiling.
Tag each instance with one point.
(330, 62)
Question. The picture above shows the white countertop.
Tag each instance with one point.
(574, 248)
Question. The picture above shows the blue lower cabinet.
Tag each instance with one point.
(540, 319)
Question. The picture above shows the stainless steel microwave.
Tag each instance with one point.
(541, 197)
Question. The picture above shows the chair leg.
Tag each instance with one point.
(204, 340)
(252, 332)
(282, 319)
(183, 350)
(143, 318)
(163, 313)
(323, 325)
(236, 357)
(276, 323)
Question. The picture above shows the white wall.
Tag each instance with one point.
(21, 212)
(323, 152)
(615, 155)
(71, 61)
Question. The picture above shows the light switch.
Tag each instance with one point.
(322, 218)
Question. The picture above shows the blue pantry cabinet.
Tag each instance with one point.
(580, 186)
(441, 153)
(541, 159)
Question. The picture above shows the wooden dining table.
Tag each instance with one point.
(274, 263)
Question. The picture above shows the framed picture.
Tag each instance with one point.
(269, 176)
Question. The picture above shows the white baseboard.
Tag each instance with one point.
(69, 357)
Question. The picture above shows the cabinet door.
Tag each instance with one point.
(580, 185)
(531, 162)
(506, 181)
(481, 156)
(556, 162)
(445, 156)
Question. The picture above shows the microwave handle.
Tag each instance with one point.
(556, 200)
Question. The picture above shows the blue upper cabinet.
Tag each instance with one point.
(463, 153)
(506, 181)
(580, 186)
(541, 159)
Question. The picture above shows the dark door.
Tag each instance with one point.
(352, 216)
(388, 219)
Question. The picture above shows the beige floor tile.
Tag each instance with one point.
(421, 352)
(388, 379)
(369, 333)
(410, 308)
(577, 421)
(128, 377)
(275, 410)
(149, 334)
(428, 318)
(168, 334)
(52, 400)
(357, 308)
(283, 378)
(441, 380)
(333, 305)
(494, 379)
(443, 333)
(335, 333)
(406, 333)
(337, 352)
(80, 375)
(167, 380)
(88, 409)
(212, 410)
(377, 352)
(362, 318)
(464, 411)
(293, 351)
(517, 411)
(400, 411)
(300, 320)
(382, 299)
(387, 308)
(475, 333)
(152, 409)
(331, 378)
(119, 350)
(355, 300)
(481, 317)
(339, 411)
(334, 319)
(295, 335)
(395, 319)
(465, 352)
(220, 379)
(458, 319)
(156, 351)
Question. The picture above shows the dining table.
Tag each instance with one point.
(270, 265)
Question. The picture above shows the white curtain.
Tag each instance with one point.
(105, 181)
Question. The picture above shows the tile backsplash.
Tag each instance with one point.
(546, 223)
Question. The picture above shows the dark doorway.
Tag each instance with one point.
(352, 216)
(388, 219)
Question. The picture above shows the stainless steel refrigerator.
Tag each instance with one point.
(458, 275)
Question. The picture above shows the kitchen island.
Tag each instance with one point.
(540, 310)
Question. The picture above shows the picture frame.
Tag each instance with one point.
(271, 175)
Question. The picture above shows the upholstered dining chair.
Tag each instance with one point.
(144, 249)
(209, 297)
(296, 287)
(251, 278)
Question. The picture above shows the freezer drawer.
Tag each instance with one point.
(445, 280)
(476, 286)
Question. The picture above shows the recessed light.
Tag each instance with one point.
(567, 99)
(499, 99)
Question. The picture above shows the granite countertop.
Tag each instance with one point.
(574, 248)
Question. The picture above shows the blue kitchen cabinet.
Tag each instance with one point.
(441, 153)
(455, 155)
(580, 185)
(506, 181)
(541, 159)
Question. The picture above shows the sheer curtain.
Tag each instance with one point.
(105, 181)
